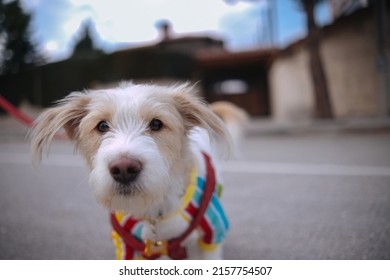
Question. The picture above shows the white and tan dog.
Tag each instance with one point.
(151, 164)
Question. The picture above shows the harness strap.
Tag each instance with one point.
(175, 250)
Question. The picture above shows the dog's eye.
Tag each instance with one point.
(155, 125)
(103, 126)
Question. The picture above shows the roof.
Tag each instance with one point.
(178, 43)
(222, 59)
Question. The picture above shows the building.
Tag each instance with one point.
(341, 8)
(270, 82)
(350, 55)
(241, 78)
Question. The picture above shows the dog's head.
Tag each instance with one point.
(135, 139)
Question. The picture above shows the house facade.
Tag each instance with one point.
(349, 52)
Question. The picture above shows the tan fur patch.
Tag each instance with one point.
(89, 138)
(229, 112)
(67, 114)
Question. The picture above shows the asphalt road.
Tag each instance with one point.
(322, 195)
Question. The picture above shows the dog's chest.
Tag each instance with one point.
(210, 228)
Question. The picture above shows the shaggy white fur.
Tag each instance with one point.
(140, 143)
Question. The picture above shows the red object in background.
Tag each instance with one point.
(13, 111)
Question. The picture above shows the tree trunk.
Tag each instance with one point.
(323, 107)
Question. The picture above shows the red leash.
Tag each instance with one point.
(13, 111)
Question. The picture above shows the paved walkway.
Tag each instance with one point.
(315, 190)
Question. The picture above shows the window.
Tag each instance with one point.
(231, 87)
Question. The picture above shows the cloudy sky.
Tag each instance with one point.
(127, 23)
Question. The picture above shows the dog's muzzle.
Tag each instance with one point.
(125, 170)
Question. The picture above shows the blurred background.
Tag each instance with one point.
(311, 180)
(282, 59)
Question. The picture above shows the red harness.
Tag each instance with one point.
(174, 248)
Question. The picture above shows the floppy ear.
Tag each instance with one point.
(196, 113)
(67, 114)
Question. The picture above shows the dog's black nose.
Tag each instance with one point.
(125, 170)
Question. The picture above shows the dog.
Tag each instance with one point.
(152, 164)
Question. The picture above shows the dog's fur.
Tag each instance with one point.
(166, 156)
(235, 120)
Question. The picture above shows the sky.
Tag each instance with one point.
(123, 24)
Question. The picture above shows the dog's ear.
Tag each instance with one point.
(67, 114)
(195, 112)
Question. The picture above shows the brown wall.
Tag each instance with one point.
(48, 83)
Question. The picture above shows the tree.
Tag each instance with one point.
(323, 107)
(18, 53)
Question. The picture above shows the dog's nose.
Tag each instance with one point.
(124, 170)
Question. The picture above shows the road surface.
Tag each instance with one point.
(306, 195)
